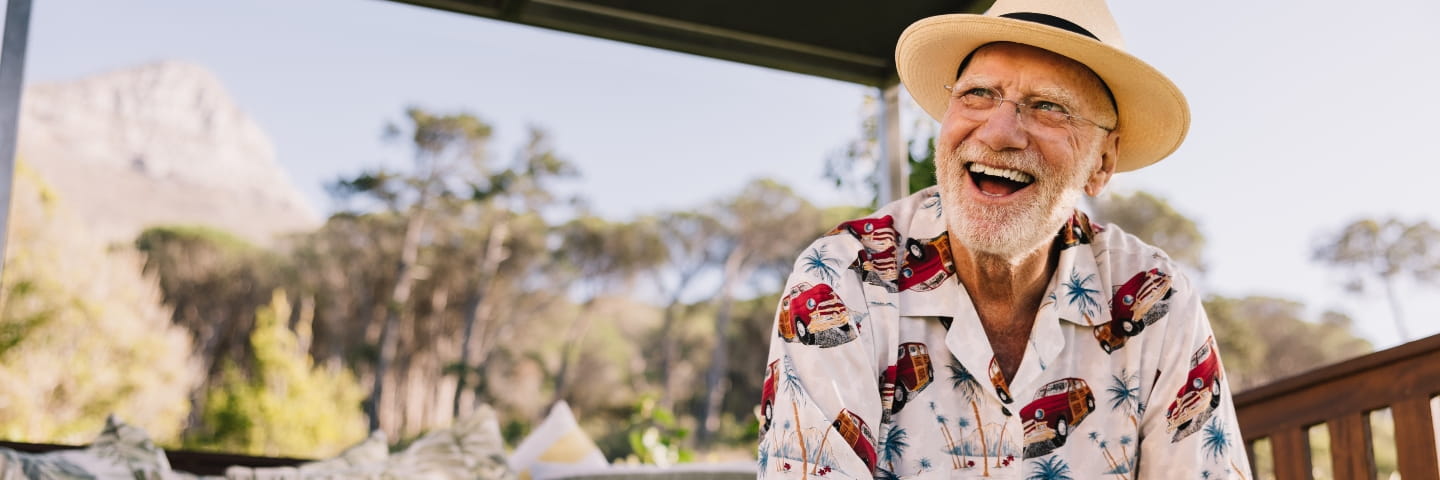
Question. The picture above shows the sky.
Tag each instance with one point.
(1305, 115)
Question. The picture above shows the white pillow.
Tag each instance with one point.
(557, 444)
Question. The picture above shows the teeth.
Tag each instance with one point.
(1013, 175)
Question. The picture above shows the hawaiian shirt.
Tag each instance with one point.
(879, 365)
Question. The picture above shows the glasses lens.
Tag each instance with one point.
(1048, 118)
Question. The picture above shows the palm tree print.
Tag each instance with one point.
(792, 385)
(894, 445)
(1124, 393)
(1051, 468)
(924, 464)
(1076, 291)
(818, 263)
(1109, 458)
(969, 388)
(949, 440)
(1125, 442)
(1217, 444)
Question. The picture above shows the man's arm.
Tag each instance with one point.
(1189, 421)
(821, 401)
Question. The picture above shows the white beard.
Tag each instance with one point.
(1013, 231)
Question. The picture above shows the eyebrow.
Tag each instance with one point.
(1050, 93)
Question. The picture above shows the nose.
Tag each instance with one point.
(1002, 129)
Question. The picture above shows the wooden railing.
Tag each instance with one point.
(1341, 397)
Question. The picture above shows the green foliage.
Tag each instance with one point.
(285, 405)
(1263, 339)
(82, 333)
(654, 435)
(1384, 250)
(1152, 219)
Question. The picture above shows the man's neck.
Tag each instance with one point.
(996, 282)
(1006, 293)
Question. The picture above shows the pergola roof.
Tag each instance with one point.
(849, 40)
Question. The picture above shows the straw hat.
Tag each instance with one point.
(1153, 113)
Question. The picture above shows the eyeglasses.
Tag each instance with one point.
(977, 103)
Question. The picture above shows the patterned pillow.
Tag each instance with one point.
(121, 451)
(556, 444)
(470, 449)
(363, 460)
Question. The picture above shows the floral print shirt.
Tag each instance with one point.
(879, 365)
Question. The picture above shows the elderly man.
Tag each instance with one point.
(955, 333)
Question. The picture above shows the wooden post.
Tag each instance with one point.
(894, 157)
(12, 76)
(1351, 454)
(1291, 450)
(1415, 437)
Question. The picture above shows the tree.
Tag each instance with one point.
(1263, 338)
(444, 148)
(1386, 250)
(693, 245)
(1153, 220)
(521, 189)
(766, 224)
(605, 257)
(858, 165)
(83, 333)
(281, 403)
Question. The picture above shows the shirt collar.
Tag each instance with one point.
(1076, 292)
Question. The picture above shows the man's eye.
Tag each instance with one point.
(981, 92)
(1048, 106)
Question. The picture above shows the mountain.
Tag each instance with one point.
(161, 143)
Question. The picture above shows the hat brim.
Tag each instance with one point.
(1154, 116)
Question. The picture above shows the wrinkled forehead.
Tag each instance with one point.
(1043, 69)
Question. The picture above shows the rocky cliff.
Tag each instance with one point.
(158, 144)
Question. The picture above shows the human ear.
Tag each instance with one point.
(1109, 155)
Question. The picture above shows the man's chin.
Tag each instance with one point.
(1012, 240)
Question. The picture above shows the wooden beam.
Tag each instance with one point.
(1371, 382)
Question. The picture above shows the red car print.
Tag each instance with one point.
(814, 315)
(1002, 389)
(1139, 302)
(875, 234)
(927, 264)
(877, 268)
(1200, 395)
(767, 395)
(1058, 407)
(857, 434)
(913, 372)
(1077, 231)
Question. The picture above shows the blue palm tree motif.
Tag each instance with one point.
(1125, 442)
(884, 474)
(894, 445)
(924, 464)
(1076, 291)
(818, 263)
(1051, 468)
(1122, 392)
(764, 455)
(963, 381)
(1217, 440)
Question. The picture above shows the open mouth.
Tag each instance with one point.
(998, 182)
